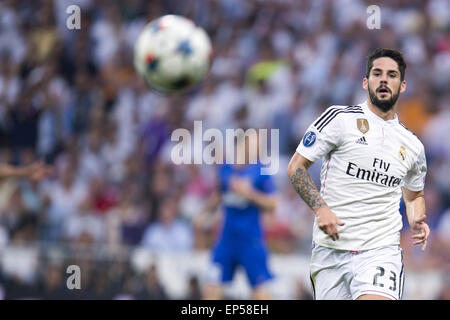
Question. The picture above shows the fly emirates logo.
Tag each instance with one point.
(379, 173)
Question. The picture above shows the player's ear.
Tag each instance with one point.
(403, 86)
(365, 83)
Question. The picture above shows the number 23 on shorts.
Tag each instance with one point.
(381, 275)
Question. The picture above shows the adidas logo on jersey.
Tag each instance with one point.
(362, 140)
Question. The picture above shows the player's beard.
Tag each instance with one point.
(384, 105)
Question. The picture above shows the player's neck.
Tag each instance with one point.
(385, 115)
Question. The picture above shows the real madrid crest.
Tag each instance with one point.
(363, 125)
(402, 153)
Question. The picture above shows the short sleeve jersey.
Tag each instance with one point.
(366, 162)
(242, 220)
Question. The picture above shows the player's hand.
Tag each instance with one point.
(241, 186)
(421, 231)
(328, 222)
(39, 171)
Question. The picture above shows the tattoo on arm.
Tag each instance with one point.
(305, 187)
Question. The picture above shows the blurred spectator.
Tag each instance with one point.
(169, 233)
(64, 197)
(127, 222)
(194, 291)
(122, 279)
(54, 285)
(152, 288)
(83, 226)
(196, 189)
(102, 197)
(102, 287)
(91, 163)
(23, 118)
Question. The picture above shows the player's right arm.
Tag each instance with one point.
(301, 181)
(322, 137)
(35, 171)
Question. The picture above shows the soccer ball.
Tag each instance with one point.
(172, 54)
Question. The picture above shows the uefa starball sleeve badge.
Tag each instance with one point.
(309, 139)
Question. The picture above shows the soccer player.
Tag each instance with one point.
(370, 158)
(245, 193)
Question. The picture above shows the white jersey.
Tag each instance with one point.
(366, 162)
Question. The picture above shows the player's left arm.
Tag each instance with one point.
(267, 201)
(415, 211)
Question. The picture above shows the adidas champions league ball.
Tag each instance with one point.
(172, 54)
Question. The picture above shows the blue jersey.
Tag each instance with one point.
(241, 241)
(241, 220)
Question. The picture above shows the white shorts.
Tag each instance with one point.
(345, 275)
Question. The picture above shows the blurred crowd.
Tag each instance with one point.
(72, 97)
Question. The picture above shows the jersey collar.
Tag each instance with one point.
(372, 115)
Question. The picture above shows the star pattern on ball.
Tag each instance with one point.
(151, 61)
(158, 25)
(184, 47)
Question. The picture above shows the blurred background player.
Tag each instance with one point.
(244, 194)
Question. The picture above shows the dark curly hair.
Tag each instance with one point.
(390, 53)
